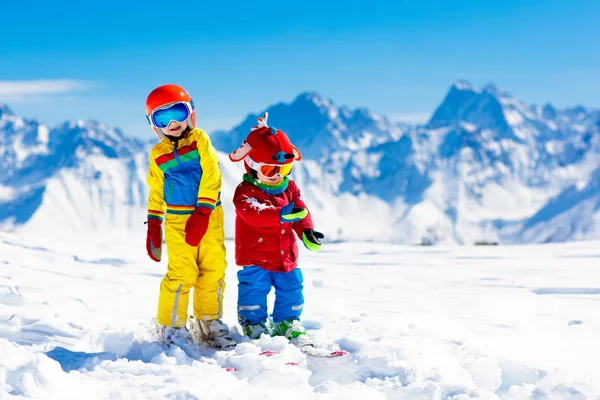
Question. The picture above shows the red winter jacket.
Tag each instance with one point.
(260, 236)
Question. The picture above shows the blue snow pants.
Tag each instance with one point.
(254, 284)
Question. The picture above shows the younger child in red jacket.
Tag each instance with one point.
(269, 213)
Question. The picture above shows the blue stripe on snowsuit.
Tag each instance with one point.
(254, 284)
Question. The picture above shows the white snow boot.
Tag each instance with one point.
(169, 334)
(213, 332)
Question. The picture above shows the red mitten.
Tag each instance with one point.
(154, 239)
(196, 225)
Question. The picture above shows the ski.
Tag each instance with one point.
(312, 351)
(271, 353)
(306, 346)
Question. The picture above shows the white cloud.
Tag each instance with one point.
(411, 118)
(22, 91)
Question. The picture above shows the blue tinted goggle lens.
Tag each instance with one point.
(178, 112)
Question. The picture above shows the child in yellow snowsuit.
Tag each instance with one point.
(185, 184)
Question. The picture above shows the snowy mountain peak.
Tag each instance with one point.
(549, 111)
(363, 112)
(467, 103)
(312, 97)
(493, 90)
(5, 110)
(93, 137)
(578, 112)
(317, 126)
(464, 85)
(314, 103)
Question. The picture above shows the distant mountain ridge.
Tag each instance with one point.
(485, 167)
(73, 162)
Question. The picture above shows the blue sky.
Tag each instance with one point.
(99, 60)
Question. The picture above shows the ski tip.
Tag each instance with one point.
(268, 353)
(231, 369)
(293, 363)
(338, 353)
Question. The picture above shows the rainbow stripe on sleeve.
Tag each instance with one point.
(156, 215)
(206, 202)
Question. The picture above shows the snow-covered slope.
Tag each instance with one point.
(486, 167)
(419, 323)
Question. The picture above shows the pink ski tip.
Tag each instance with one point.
(231, 369)
(338, 353)
(292, 363)
(268, 353)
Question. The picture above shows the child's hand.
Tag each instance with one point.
(196, 225)
(154, 240)
(290, 213)
(310, 238)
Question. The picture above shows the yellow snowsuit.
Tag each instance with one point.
(184, 175)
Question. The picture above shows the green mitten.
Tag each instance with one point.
(290, 213)
(311, 239)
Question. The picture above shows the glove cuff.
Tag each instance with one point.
(205, 202)
(203, 210)
(154, 222)
(154, 215)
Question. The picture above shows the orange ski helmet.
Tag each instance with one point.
(165, 95)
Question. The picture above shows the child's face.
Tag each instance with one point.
(175, 129)
(274, 180)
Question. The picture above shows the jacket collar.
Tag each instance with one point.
(270, 189)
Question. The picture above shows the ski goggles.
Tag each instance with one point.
(178, 112)
(270, 170)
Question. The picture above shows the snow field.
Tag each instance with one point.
(508, 322)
